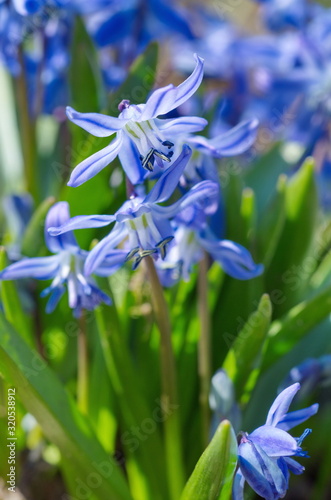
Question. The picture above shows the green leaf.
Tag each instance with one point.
(34, 238)
(12, 306)
(44, 397)
(215, 468)
(285, 333)
(140, 80)
(272, 224)
(262, 176)
(287, 270)
(243, 357)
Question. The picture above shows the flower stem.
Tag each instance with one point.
(169, 397)
(28, 133)
(204, 349)
(82, 377)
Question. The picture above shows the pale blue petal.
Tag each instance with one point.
(297, 417)
(53, 301)
(58, 215)
(275, 442)
(281, 404)
(92, 165)
(205, 190)
(261, 472)
(99, 253)
(27, 7)
(42, 268)
(238, 486)
(168, 182)
(182, 125)
(170, 97)
(82, 222)
(130, 160)
(235, 259)
(236, 140)
(96, 123)
(294, 466)
(113, 261)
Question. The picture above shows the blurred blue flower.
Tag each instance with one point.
(65, 267)
(143, 220)
(222, 401)
(265, 455)
(140, 142)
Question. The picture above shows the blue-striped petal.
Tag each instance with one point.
(168, 98)
(113, 261)
(281, 404)
(238, 486)
(42, 268)
(261, 472)
(275, 442)
(235, 259)
(82, 222)
(95, 163)
(297, 417)
(58, 215)
(96, 123)
(182, 125)
(168, 182)
(99, 253)
(130, 160)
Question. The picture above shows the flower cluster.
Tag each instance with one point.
(175, 235)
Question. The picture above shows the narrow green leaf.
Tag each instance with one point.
(285, 333)
(243, 357)
(215, 468)
(12, 306)
(44, 397)
(33, 238)
(272, 224)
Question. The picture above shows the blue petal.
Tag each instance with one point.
(261, 472)
(297, 417)
(82, 222)
(113, 260)
(168, 182)
(28, 7)
(115, 28)
(54, 298)
(275, 442)
(205, 190)
(58, 215)
(231, 143)
(281, 404)
(171, 17)
(182, 125)
(168, 98)
(96, 123)
(103, 248)
(42, 268)
(130, 159)
(238, 486)
(294, 466)
(92, 165)
(234, 258)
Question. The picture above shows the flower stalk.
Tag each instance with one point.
(169, 397)
(204, 348)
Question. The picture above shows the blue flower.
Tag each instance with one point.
(193, 237)
(65, 267)
(265, 455)
(143, 221)
(222, 401)
(140, 143)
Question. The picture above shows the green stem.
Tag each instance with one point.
(169, 397)
(204, 349)
(28, 134)
(82, 378)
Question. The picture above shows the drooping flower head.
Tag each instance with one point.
(265, 455)
(65, 267)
